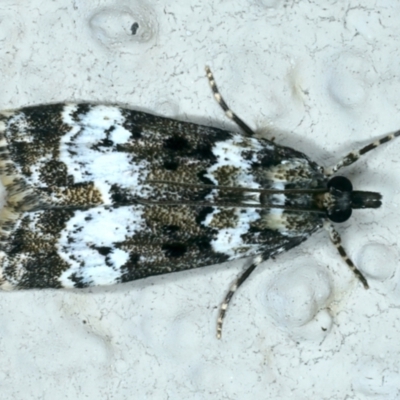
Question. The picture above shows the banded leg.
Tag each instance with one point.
(228, 112)
(353, 156)
(335, 238)
(238, 282)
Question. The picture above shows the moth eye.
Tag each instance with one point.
(339, 216)
(340, 186)
(340, 183)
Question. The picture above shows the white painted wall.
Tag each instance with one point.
(323, 77)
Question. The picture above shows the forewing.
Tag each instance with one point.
(108, 245)
(77, 177)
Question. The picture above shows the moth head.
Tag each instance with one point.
(345, 199)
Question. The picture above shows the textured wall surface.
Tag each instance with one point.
(324, 79)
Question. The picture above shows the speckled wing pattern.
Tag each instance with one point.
(92, 200)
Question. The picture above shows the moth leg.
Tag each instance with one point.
(228, 112)
(335, 238)
(353, 156)
(238, 282)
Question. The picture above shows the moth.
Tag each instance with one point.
(99, 195)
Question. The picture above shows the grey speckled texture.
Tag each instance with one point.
(323, 79)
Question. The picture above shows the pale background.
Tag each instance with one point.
(324, 79)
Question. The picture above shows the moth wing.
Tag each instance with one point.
(108, 245)
(76, 176)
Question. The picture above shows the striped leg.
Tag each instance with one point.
(335, 237)
(355, 155)
(229, 113)
(238, 282)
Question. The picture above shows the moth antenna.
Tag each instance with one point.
(353, 156)
(337, 241)
(228, 112)
(234, 287)
(227, 205)
(241, 189)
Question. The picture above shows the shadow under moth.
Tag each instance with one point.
(99, 195)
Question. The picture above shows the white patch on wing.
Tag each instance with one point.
(229, 240)
(89, 230)
(290, 171)
(103, 165)
(276, 220)
(229, 153)
(278, 199)
(290, 224)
